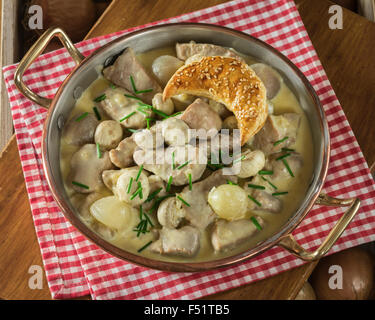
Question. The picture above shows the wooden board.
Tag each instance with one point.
(351, 76)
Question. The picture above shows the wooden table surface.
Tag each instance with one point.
(347, 56)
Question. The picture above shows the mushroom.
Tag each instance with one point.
(169, 213)
(80, 131)
(251, 163)
(122, 156)
(166, 106)
(149, 138)
(164, 67)
(87, 168)
(175, 132)
(108, 134)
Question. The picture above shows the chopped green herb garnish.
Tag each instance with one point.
(183, 201)
(255, 201)
(141, 109)
(231, 183)
(132, 97)
(287, 167)
(80, 185)
(130, 184)
(183, 165)
(141, 213)
(139, 172)
(283, 156)
(287, 150)
(137, 192)
(239, 159)
(265, 172)
(255, 186)
(100, 98)
(148, 219)
(83, 115)
(160, 113)
(173, 164)
(269, 182)
(169, 183)
(153, 195)
(145, 246)
(98, 152)
(145, 105)
(97, 114)
(128, 116)
(175, 114)
(256, 223)
(148, 123)
(112, 85)
(280, 141)
(190, 182)
(279, 193)
(140, 190)
(132, 130)
(133, 84)
(144, 91)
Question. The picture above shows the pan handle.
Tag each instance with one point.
(34, 52)
(289, 243)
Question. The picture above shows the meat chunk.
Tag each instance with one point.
(87, 168)
(228, 235)
(118, 107)
(294, 161)
(186, 50)
(122, 156)
(270, 77)
(164, 67)
(199, 115)
(80, 131)
(108, 134)
(268, 202)
(200, 214)
(177, 242)
(127, 65)
(276, 129)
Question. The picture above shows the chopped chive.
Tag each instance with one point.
(83, 115)
(98, 152)
(131, 130)
(256, 223)
(169, 183)
(145, 246)
(190, 182)
(140, 190)
(283, 156)
(160, 113)
(270, 183)
(153, 195)
(141, 213)
(139, 172)
(183, 201)
(265, 172)
(255, 186)
(280, 141)
(148, 219)
(132, 97)
(145, 105)
(144, 91)
(255, 201)
(232, 183)
(141, 228)
(148, 123)
(136, 193)
(173, 164)
(130, 184)
(159, 199)
(128, 116)
(287, 150)
(133, 84)
(287, 167)
(279, 193)
(112, 85)
(183, 165)
(80, 185)
(97, 114)
(239, 159)
(100, 98)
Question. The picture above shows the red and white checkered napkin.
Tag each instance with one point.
(75, 266)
